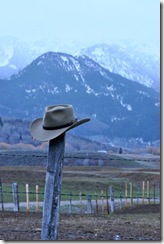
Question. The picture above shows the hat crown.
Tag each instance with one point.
(58, 116)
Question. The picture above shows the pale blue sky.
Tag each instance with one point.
(82, 20)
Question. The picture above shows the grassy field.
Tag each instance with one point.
(121, 170)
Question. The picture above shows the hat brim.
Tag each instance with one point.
(40, 134)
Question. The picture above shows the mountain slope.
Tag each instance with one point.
(141, 64)
(117, 106)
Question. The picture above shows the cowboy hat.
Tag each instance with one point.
(56, 120)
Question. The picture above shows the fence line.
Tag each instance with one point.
(1, 196)
(106, 202)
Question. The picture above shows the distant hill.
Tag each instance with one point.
(15, 135)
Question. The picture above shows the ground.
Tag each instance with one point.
(139, 222)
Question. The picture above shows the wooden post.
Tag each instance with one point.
(131, 193)
(159, 192)
(15, 197)
(120, 199)
(148, 191)
(70, 202)
(96, 203)
(111, 198)
(126, 193)
(107, 203)
(1, 196)
(80, 202)
(154, 192)
(89, 204)
(138, 192)
(143, 191)
(27, 198)
(102, 198)
(50, 220)
(37, 198)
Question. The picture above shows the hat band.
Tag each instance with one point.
(60, 126)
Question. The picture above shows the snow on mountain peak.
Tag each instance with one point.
(139, 63)
(132, 62)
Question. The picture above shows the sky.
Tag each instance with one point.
(89, 21)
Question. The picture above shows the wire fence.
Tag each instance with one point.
(105, 201)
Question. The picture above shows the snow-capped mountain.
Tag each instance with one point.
(15, 54)
(117, 106)
(137, 63)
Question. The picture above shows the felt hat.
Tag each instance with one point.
(56, 120)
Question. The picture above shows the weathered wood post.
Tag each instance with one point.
(70, 202)
(143, 191)
(80, 195)
(96, 203)
(154, 191)
(148, 191)
(56, 121)
(89, 204)
(102, 198)
(50, 220)
(138, 193)
(15, 197)
(107, 203)
(126, 194)
(120, 199)
(111, 198)
(1, 196)
(131, 193)
(159, 192)
(37, 197)
(27, 198)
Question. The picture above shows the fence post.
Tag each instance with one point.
(15, 197)
(27, 198)
(148, 191)
(138, 191)
(70, 202)
(120, 197)
(131, 193)
(37, 198)
(126, 193)
(154, 192)
(159, 192)
(96, 203)
(50, 219)
(107, 203)
(80, 196)
(89, 204)
(102, 198)
(1, 196)
(111, 198)
(80, 202)
(143, 191)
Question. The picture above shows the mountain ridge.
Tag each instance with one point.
(140, 63)
(133, 63)
(116, 105)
